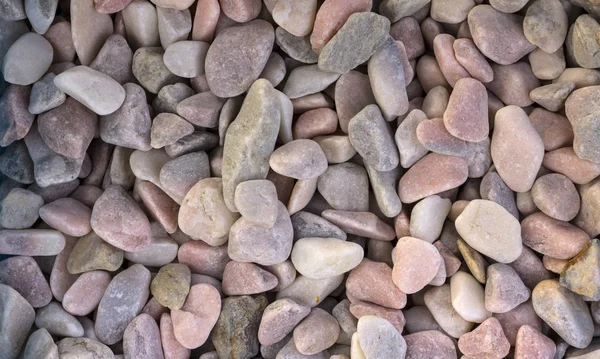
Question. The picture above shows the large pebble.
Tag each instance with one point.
(565, 160)
(581, 274)
(372, 282)
(237, 57)
(432, 174)
(364, 224)
(279, 319)
(416, 263)
(141, 338)
(235, 333)
(582, 112)
(299, 159)
(486, 23)
(27, 59)
(504, 289)
(555, 195)
(19, 209)
(297, 17)
(340, 55)
(552, 237)
(517, 161)
(89, 29)
(68, 215)
(91, 253)
(86, 292)
(251, 135)
(345, 187)
(485, 341)
(57, 321)
(490, 229)
(379, 339)
(257, 202)
(266, 246)
(319, 258)
(17, 318)
(25, 276)
(564, 311)
(585, 45)
(467, 114)
(547, 66)
(149, 69)
(545, 25)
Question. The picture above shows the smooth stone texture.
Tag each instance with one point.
(204, 259)
(585, 47)
(307, 80)
(530, 268)
(490, 229)
(141, 338)
(83, 348)
(513, 320)
(201, 109)
(251, 135)
(110, 6)
(27, 59)
(337, 149)
(564, 311)
(565, 160)
(257, 202)
(434, 136)
(306, 225)
(89, 29)
(204, 214)
(467, 115)
(494, 189)
(317, 332)
(352, 93)
(427, 218)
(552, 97)
(345, 187)
(581, 274)
(547, 66)
(13, 110)
(383, 184)
(285, 273)
(186, 58)
(442, 172)
(232, 73)
(122, 301)
(161, 251)
(555, 195)
(57, 321)
(545, 25)
(319, 258)
(197, 141)
(379, 339)
(25, 276)
(16, 164)
(301, 195)
(17, 318)
(180, 174)
(581, 112)
(274, 70)
(194, 321)
(141, 20)
(416, 263)
(475, 262)
(40, 345)
(321, 121)
(310, 292)
(487, 340)
(364, 224)
(468, 55)
(397, 9)
(92, 253)
(299, 159)
(443, 48)
(517, 163)
(171, 285)
(13, 30)
(298, 48)
(504, 290)
(68, 215)
(149, 69)
(40, 14)
(265, 246)
(246, 279)
(19, 209)
(340, 54)
(171, 347)
(114, 59)
(45, 95)
(129, 232)
(513, 83)
(279, 319)
(86, 292)
(486, 23)
(410, 148)
(168, 128)
(169, 97)
(554, 129)
(429, 344)
(531, 343)
(372, 282)
(331, 16)
(173, 25)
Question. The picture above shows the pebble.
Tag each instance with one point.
(352, 94)
(129, 232)
(581, 274)
(331, 16)
(89, 30)
(467, 115)
(110, 6)
(57, 321)
(230, 73)
(241, 11)
(265, 246)
(173, 25)
(16, 164)
(474, 261)
(513, 320)
(197, 141)
(531, 343)
(311, 102)
(554, 129)
(171, 285)
(161, 251)
(307, 80)
(186, 58)
(289, 351)
(148, 68)
(171, 347)
(25, 276)
(364, 224)
(274, 70)
(299, 159)
(29, 46)
(513, 83)
(205, 20)
(555, 195)
(235, 333)
(371, 28)
(379, 339)
(201, 109)
(257, 202)
(487, 340)
(372, 282)
(585, 47)
(13, 106)
(310, 292)
(530, 268)
(396, 9)
(434, 136)
(141, 338)
(200, 209)
(306, 225)
(427, 218)
(40, 345)
(298, 48)
(296, 17)
(516, 163)
(345, 187)
(40, 14)
(337, 149)
(383, 184)
(552, 97)
(545, 25)
(86, 292)
(17, 319)
(583, 118)
(317, 332)
(91, 253)
(168, 128)
(302, 193)
(490, 229)
(565, 160)
(468, 55)
(76, 348)
(363, 129)
(435, 102)
(416, 263)
(68, 215)
(429, 344)
(246, 279)
(279, 319)
(433, 174)
(394, 316)
(547, 66)
(141, 21)
(410, 148)
(319, 258)
(504, 289)
(19, 209)
(169, 97)
(202, 258)
(485, 23)
(443, 47)
(564, 311)
(468, 297)
(45, 95)
(494, 189)
(284, 272)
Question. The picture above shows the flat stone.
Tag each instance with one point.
(173, 25)
(581, 274)
(352, 94)
(565, 160)
(297, 17)
(202, 258)
(487, 340)
(555, 195)
(372, 282)
(530, 342)
(253, 40)
(564, 311)
(364, 224)
(170, 96)
(45, 95)
(194, 321)
(86, 292)
(585, 48)
(57, 321)
(122, 301)
(25, 276)
(257, 202)
(180, 174)
(265, 246)
(310, 292)
(490, 229)
(204, 214)
(552, 97)
(416, 263)
(13, 105)
(427, 218)
(345, 187)
(150, 71)
(68, 215)
(517, 163)
(317, 332)
(27, 59)
(441, 171)
(467, 115)
(298, 48)
(306, 225)
(554, 129)
(251, 135)
(142, 338)
(279, 319)
(429, 344)
(319, 258)
(504, 290)
(370, 28)
(17, 319)
(19, 209)
(379, 339)
(396, 9)
(89, 29)
(75, 348)
(486, 23)
(40, 345)
(246, 279)
(468, 55)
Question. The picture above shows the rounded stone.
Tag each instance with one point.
(372, 282)
(76, 348)
(68, 215)
(194, 321)
(186, 58)
(555, 195)
(331, 16)
(427, 218)
(565, 160)
(504, 289)
(246, 279)
(468, 297)
(86, 292)
(319, 258)
(531, 342)
(19, 209)
(317, 332)
(545, 25)
(466, 116)
(345, 187)
(487, 340)
(91, 252)
(142, 338)
(149, 69)
(296, 17)
(57, 321)
(299, 159)
(379, 339)
(171, 285)
(279, 319)
(585, 47)
(24, 275)
(27, 59)
(416, 263)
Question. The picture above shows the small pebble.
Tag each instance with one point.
(466, 116)
(19, 209)
(345, 187)
(427, 218)
(57, 321)
(86, 292)
(487, 340)
(27, 59)
(416, 263)
(504, 289)
(372, 282)
(379, 339)
(40, 345)
(468, 297)
(246, 278)
(171, 285)
(75, 348)
(68, 215)
(319, 258)
(555, 195)
(299, 159)
(92, 253)
(148, 68)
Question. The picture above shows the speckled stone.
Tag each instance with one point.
(467, 115)
(345, 187)
(279, 319)
(554, 129)
(19, 209)
(86, 292)
(57, 321)
(202, 258)
(201, 109)
(545, 25)
(416, 263)
(317, 332)
(141, 338)
(114, 59)
(246, 279)
(429, 344)
(565, 160)
(91, 253)
(504, 290)
(584, 117)
(331, 16)
(582, 274)
(585, 46)
(76, 348)
(150, 71)
(24, 275)
(469, 56)
(372, 282)
(171, 285)
(306, 225)
(487, 340)
(555, 195)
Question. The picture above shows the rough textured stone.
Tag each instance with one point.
(582, 113)
(171, 285)
(372, 282)
(331, 17)
(531, 343)
(306, 225)
(173, 25)
(410, 148)
(467, 115)
(16, 164)
(585, 43)
(19, 209)
(201, 109)
(91, 253)
(246, 279)
(307, 80)
(554, 129)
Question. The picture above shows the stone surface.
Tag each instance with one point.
(24, 275)
(45, 95)
(17, 319)
(468, 297)
(410, 148)
(468, 55)
(416, 263)
(299, 159)
(434, 136)
(379, 339)
(429, 344)
(452, 70)
(19, 209)
(584, 118)
(340, 54)
(310, 292)
(307, 80)
(552, 97)
(75, 348)
(149, 69)
(345, 187)
(89, 29)
(427, 218)
(396, 9)
(231, 73)
(171, 285)
(306, 225)
(296, 17)
(142, 338)
(581, 274)
(16, 164)
(27, 59)
(555, 195)
(360, 223)
(585, 46)
(554, 129)
(320, 258)
(204, 259)
(504, 290)
(13, 105)
(545, 25)
(173, 25)
(86, 292)
(257, 202)
(246, 279)
(68, 215)
(201, 109)
(298, 48)
(168, 128)
(513, 83)
(91, 253)
(531, 343)
(372, 282)
(186, 58)
(279, 319)
(40, 345)
(169, 97)
(57, 321)
(317, 332)
(337, 149)
(352, 93)
(467, 116)
(487, 340)
(565, 160)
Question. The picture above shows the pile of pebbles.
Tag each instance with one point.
(300, 179)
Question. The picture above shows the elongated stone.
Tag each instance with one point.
(161, 251)
(89, 29)
(57, 321)
(142, 338)
(27, 59)
(68, 215)
(427, 218)
(13, 110)
(307, 80)
(86, 292)
(585, 48)
(254, 132)
(360, 223)
(319, 258)
(123, 300)
(352, 93)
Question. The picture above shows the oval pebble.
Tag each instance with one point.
(416, 263)
(299, 159)
(194, 321)
(27, 59)
(319, 258)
